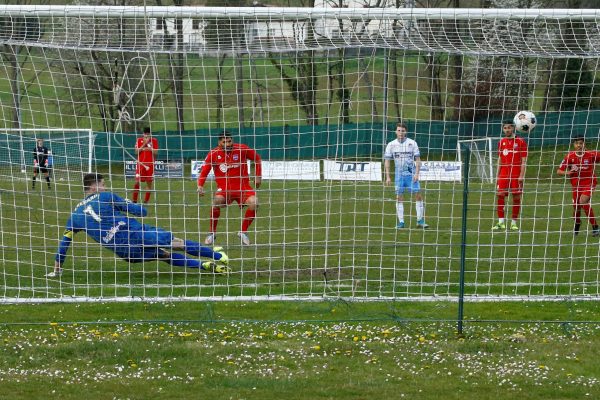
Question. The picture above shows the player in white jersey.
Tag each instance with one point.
(407, 160)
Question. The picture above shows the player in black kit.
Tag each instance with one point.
(40, 162)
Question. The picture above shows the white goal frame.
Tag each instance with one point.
(24, 151)
(391, 264)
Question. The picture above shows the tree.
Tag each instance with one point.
(572, 83)
(18, 30)
(300, 74)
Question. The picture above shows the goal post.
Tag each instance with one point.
(70, 150)
(484, 157)
(317, 92)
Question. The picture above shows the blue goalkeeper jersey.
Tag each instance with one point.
(103, 217)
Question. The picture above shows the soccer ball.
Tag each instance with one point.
(525, 121)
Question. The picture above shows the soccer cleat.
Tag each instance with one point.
(210, 239)
(499, 226)
(421, 224)
(244, 238)
(400, 225)
(224, 259)
(54, 274)
(595, 231)
(513, 226)
(214, 267)
(576, 229)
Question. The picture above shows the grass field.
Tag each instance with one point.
(311, 239)
(322, 350)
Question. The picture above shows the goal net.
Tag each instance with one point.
(317, 92)
(483, 155)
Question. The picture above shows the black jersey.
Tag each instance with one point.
(40, 154)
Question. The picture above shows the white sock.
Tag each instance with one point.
(501, 220)
(400, 211)
(514, 221)
(420, 210)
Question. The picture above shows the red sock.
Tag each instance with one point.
(516, 207)
(147, 197)
(136, 192)
(248, 218)
(500, 206)
(590, 213)
(215, 213)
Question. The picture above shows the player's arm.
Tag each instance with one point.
(417, 168)
(128, 207)
(523, 168)
(35, 158)
(255, 157)
(563, 169)
(204, 171)
(523, 160)
(63, 248)
(386, 168)
(154, 147)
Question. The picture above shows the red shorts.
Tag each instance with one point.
(240, 196)
(509, 182)
(144, 175)
(579, 191)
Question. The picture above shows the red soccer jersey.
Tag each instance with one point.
(582, 166)
(231, 167)
(146, 156)
(511, 151)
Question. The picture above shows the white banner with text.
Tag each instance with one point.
(447, 171)
(352, 170)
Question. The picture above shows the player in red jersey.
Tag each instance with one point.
(146, 148)
(229, 162)
(512, 152)
(579, 166)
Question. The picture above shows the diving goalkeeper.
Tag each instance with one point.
(102, 215)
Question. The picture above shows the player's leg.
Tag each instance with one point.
(401, 186)
(249, 200)
(419, 205)
(195, 249)
(576, 211)
(180, 260)
(149, 187)
(219, 201)
(585, 204)
(47, 175)
(35, 174)
(136, 187)
(516, 189)
(501, 193)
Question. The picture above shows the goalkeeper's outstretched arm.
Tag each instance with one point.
(61, 254)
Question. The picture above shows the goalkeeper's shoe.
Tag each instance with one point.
(499, 226)
(215, 267)
(244, 238)
(224, 259)
(514, 226)
(595, 231)
(210, 239)
(55, 273)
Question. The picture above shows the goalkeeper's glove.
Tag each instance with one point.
(35, 162)
(46, 163)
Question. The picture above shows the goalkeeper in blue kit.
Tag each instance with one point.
(103, 216)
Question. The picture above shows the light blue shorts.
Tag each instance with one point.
(405, 183)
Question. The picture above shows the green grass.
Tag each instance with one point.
(322, 350)
(311, 239)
